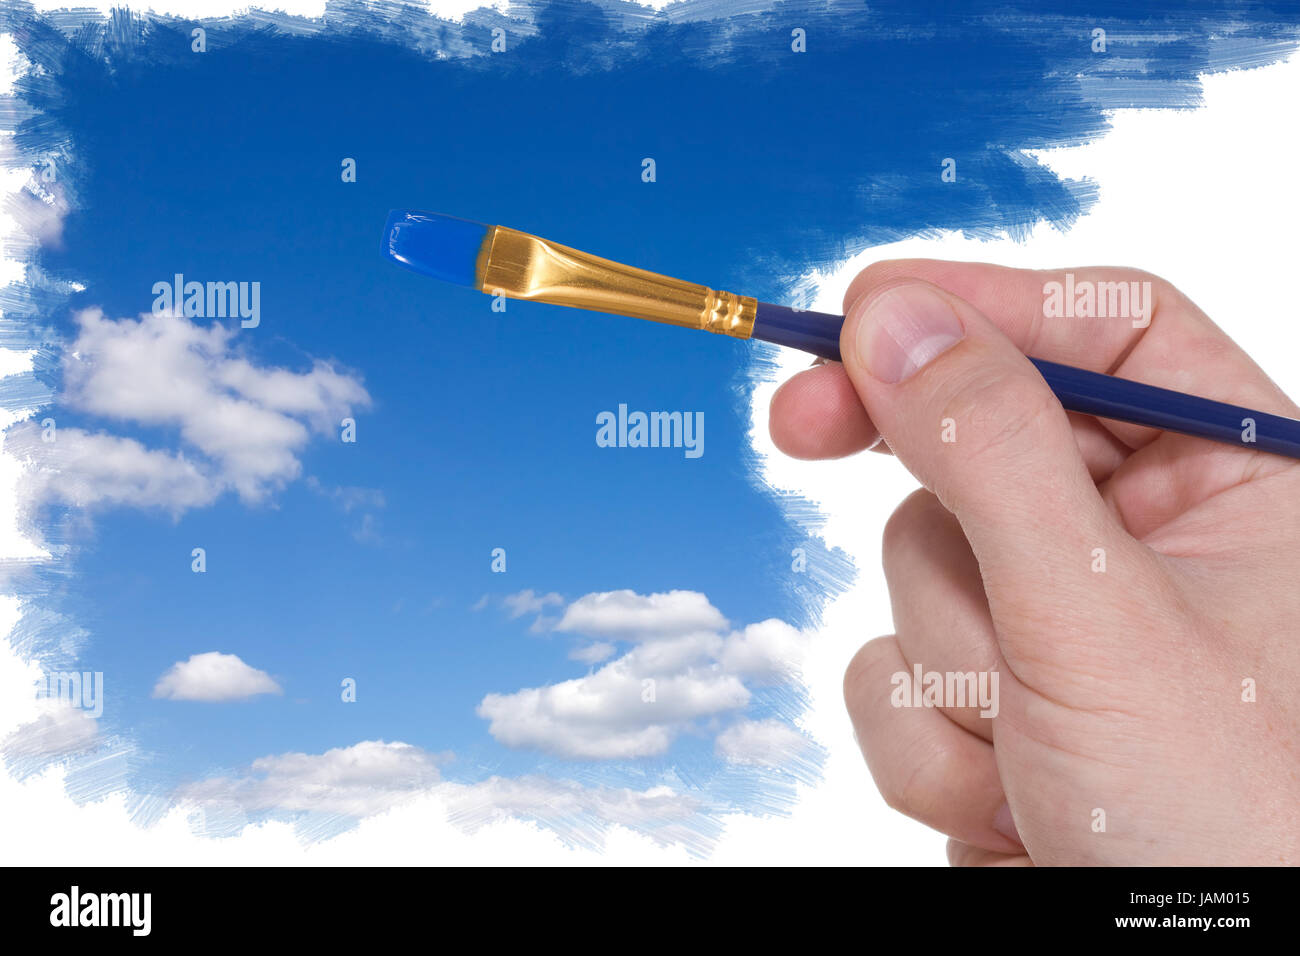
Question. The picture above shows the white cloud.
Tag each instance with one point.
(213, 676)
(375, 776)
(84, 470)
(166, 370)
(242, 426)
(580, 814)
(366, 778)
(764, 743)
(529, 602)
(348, 498)
(593, 653)
(59, 730)
(626, 615)
(768, 651)
(609, 714)
(353, 498)
(638, 704)
(40, 211)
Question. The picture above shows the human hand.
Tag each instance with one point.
(1129, 587)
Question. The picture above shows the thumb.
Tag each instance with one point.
(970, 416)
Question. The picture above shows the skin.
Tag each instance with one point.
(1120, 691)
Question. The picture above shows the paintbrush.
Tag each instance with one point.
(503, 261)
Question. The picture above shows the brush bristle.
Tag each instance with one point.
(435, 245)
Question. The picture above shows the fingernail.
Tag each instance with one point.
(902, 329)
(1003, 823)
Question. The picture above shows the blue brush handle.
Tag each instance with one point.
(1090, 393)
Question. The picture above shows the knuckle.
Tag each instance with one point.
(1164, 294)
(918, 790)
(892, 795)
(869, 659)
(917, 512)
(1160, 286)
(1004, 415)
(879, 274)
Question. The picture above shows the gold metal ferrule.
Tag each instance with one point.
(523, 266)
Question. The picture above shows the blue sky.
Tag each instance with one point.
(370, 560)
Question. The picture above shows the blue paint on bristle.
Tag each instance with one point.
(440, 246)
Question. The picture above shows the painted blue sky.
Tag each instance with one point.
(476, 430)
